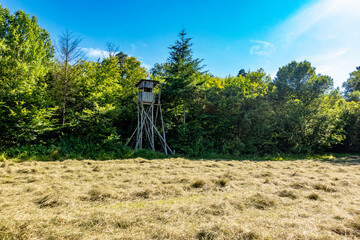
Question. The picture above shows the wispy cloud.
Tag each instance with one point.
(146, 66)
(262, 48)
(326, 33)
(323, 15)
(95, 52)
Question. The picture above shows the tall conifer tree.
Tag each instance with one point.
(180, 71)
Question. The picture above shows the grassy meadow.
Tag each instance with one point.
(177, 198)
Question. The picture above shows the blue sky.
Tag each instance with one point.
(228, 35)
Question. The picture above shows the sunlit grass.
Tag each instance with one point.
(178, 198)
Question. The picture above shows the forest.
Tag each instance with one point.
(57, 104)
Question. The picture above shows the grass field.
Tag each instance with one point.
(180, 199)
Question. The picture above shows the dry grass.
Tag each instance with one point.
(179, 199)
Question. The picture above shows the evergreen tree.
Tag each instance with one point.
(69, 53)
(181, 73)
(242, 73)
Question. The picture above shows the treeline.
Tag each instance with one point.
(54, 101)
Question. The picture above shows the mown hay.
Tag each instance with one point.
(179, 199)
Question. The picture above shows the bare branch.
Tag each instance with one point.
(68, 49)
(112, 49)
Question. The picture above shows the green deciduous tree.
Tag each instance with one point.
(83, 103)
(300, 81)
(351, 117)
(352, 86)
(104, 98)
(231, 116)
(26, 52)
(308, 116)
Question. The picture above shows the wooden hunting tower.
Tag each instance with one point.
(146, 126)
(146, 87)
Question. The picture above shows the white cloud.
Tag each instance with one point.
(330, 63)
(146, 66)
(262, 48)
(95, 52)
(326, 33)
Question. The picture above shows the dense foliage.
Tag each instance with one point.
(69, 104)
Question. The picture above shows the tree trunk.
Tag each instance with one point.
(184, 121)
(64, 93)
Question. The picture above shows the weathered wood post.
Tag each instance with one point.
(146, 127)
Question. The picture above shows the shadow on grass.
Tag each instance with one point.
(335, 158)
(81, 151)
(348, 160)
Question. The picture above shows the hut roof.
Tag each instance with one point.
(147, 80)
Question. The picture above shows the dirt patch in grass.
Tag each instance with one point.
(179, 199)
